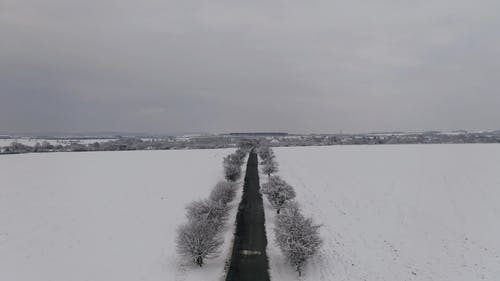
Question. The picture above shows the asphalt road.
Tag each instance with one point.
(249, 259)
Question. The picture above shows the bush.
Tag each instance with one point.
(297, 236)
(223, 192)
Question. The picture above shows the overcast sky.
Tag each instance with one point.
(239, 65)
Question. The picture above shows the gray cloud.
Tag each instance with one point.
(302, 66)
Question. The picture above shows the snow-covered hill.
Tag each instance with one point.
(401, 212)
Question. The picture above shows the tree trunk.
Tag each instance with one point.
(199, 261)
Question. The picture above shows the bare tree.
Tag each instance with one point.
(265, 152)
(198, 240)
(240, 155)
(278, 192)
(213, 212)
(269, 166)
(232, 167)
(297, 236)
(248, 144)
(223, 192)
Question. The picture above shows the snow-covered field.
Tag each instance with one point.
(103, 216)
(397, 212)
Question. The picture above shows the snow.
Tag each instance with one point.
(396, 212)
(104, 216)
(389, 212)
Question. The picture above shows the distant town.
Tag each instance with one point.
(11, 144)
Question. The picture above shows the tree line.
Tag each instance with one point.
(296, 235)
(201, 236)
(226, 141)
